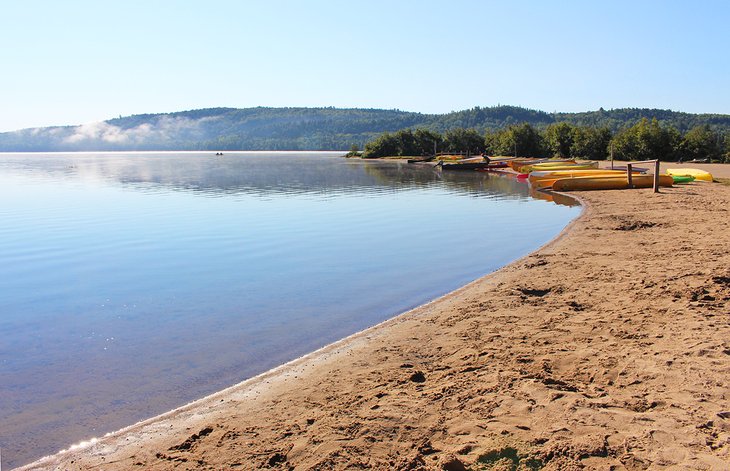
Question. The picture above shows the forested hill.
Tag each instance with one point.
(309, 128)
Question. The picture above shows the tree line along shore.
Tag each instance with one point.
(645, 140)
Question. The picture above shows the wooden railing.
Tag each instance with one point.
(629, 173)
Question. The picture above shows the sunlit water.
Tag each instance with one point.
(133, 283)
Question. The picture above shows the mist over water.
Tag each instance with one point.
(131, 284)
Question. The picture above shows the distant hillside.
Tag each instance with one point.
(307, 128)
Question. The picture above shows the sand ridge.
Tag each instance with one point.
(606, 349)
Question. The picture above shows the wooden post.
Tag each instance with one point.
(629, 176)
(656, 176)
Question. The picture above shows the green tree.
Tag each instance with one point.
(646, 140)
(354, 151)
(559, 139)
(385, 145)
(405, 142)
(463, 140)
(590, 143)
(521, 140)
(701, 142)
(428, 142)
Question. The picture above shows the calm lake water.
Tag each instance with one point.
(133, 283)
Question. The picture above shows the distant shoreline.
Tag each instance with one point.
(218, 129)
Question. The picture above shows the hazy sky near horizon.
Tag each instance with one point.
(79, 61)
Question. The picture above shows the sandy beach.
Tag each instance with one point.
(608, 348)
(719, 171)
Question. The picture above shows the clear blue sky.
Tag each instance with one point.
(77, 61)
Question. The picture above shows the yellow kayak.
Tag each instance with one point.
(545, 179)
(610, 182)
(557, 166)
(519, 162)
(572, 162)
(691, 172)
(576, 173)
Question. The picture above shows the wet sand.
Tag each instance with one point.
(609, 348)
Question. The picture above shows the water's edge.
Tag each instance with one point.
(263, 382)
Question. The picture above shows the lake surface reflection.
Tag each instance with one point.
(133, 283)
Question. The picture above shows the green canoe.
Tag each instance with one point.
(683, 178)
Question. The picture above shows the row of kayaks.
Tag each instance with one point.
(617, 180)
(595, 179)
(610, 182)
(527, 166)
(566, 175)
(548, 179)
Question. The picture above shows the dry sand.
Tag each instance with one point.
(721, 171)
(609, 348)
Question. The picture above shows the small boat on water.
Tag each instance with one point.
(610, 182)
(694, 172)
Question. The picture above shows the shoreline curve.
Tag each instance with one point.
(597, 350)
(291, 366)
(247, 386)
